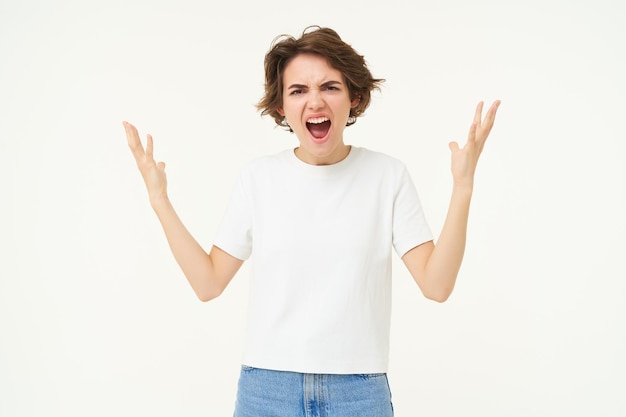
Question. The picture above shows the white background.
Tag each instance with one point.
(97, 320)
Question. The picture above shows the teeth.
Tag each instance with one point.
(317, 120)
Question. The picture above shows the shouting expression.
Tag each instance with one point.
(316, 104)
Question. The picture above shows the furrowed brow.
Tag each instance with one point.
(331, 82)
(326, 84)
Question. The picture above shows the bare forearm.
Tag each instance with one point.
(208, 274)
(191, 257)
(435, 267)
(445, 260)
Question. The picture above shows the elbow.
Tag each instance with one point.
(439, 298)
(438, 288)
(208, 294)
(205, 297)
(439, 295)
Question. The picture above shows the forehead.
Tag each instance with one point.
(310, 68)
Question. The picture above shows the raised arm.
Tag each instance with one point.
(435, 267)
(209, 273)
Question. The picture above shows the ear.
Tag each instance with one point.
(280, 111)
(355, 102)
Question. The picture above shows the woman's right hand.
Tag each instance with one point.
(208, 274)
(153, 173)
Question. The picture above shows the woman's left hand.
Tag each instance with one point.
(465, 159)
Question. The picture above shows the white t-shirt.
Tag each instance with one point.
(320, 239)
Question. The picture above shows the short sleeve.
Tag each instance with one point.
(410, 228)
(234, 236)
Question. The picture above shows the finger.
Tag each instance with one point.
(471, 135)
(132, 136)
(453, 146)
(491, 113)
(490, 118)
(478, 113)
(149, 148)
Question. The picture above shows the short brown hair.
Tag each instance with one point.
(326, 43)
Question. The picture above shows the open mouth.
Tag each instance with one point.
(318, 126)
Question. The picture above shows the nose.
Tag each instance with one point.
(315, 100)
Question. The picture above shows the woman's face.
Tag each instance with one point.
(316, 104)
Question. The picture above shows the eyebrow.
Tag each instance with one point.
(326, 84)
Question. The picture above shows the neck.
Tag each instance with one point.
(338, 155)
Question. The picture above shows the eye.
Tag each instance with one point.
(295, 92)
(331, 88)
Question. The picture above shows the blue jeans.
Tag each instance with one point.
(266, 393)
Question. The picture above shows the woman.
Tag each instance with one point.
(321, 220)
